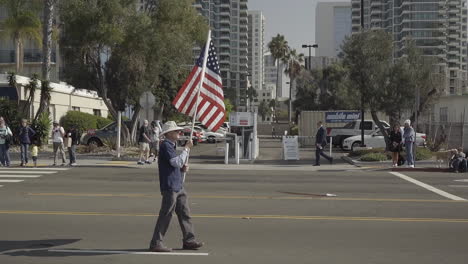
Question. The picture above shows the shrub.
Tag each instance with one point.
(294, 131)
(82, 121)
(102, 122)
(362, 152)
(374, 157)
(421, 154)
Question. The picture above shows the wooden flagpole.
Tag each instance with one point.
(202, 79)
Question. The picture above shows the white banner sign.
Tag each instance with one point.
(290, 148)
(241, 119)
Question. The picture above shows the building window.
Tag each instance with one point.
(97, 112)
(76, 108)
(443, 114)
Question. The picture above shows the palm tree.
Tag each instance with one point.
(278, 47)
(49, 6)
(22, 23)
(293, 62)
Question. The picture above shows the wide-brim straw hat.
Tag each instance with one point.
(170, 126)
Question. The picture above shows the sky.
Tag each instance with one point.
(295, 19)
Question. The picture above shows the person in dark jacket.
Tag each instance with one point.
(72, 138)
(172, 168)
(320, 143)
(25, 135)
(395, 143)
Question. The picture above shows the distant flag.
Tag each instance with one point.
(210, 111)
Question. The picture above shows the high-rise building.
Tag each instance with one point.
(228, 21)
(439, 29)
(256, 46)
(331, 27)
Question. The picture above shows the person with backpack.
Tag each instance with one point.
(5, 141)
(320, 143)
(143, 141)
(26, 133)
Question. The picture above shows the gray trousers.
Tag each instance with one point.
(24, 153)
(173, 201)
(58, 146)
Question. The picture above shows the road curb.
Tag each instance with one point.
(350, 161)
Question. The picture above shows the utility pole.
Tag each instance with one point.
(362, 96)
(309, 64)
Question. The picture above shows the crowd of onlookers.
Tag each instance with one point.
(29, 143)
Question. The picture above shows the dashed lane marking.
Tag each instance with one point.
(428, 187)
(32, 168)
(18, 176)
(26, 172)
(84, 251)
(11, 180)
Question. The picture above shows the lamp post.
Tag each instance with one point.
(310, 49)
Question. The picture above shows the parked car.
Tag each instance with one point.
(185, 135)
(338, 135)
(213, 137)
(99, 136)
(376, 140)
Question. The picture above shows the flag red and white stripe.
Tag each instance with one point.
(210, 110)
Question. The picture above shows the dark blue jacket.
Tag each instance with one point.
(321, 137)
(170, 178)
(25, 134)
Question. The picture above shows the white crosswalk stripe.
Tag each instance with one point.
(16, 175)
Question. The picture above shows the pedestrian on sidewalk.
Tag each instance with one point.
(154, 145)
(174, 198)
(57, 140)
(320, 143)
(35, 152)
(72, 140)
(395, 143)
(143, 141)
(25, 134)
(5, 141)
(409, 137)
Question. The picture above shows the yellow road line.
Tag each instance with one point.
(250, 197)
(270, 217)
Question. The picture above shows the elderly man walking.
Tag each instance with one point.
(174, 197)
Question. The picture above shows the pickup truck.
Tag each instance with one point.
(338, 135)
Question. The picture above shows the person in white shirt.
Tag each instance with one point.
(57, 138)
(5, 140)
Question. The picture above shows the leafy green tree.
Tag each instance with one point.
(306, 92)
(293, 62)
(21, 24)
(264, 110)
(229, 108)
(278, 47)
(368, 59)
(120, 52)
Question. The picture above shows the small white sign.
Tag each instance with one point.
(241, 119)
(290, 148)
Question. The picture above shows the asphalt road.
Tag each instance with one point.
(248, 216)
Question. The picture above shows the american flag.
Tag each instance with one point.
(211, 111)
